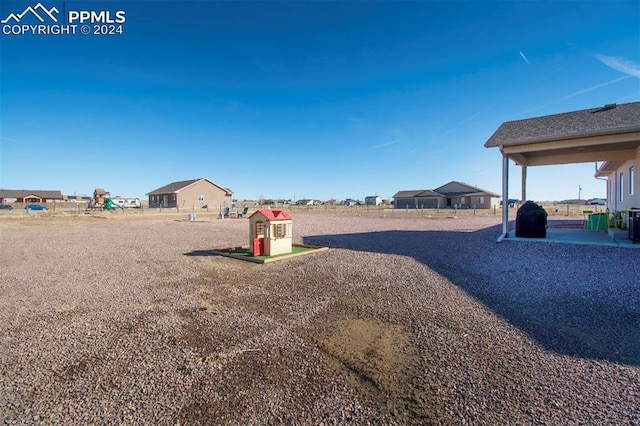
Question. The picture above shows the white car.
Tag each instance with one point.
(597, 202)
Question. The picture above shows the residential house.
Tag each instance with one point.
(461, 195)
(194, 193)
(451, 195)
(623, 179)
(623, 183)
(609, 134)
(418, 199)
(373, 200)
(30, 196)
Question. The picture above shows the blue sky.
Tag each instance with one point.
(305, 99)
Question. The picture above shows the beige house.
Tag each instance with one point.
(451, 195)
(609, 134)
(270, 232)
(30, 196)
(623, 183)
(191, 194)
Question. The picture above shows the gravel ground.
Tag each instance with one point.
(405, 320)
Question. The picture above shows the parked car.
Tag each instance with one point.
(512, 202)
(597, 202)
(6, 207)
(36, 207)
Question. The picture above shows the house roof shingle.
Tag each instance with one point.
(417, 194)
(21, 193)
(587, 122)
(424, 193)
(177, 186)
(469, 191)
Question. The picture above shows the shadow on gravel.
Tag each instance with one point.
(576, 300)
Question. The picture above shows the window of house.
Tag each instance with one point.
(632, 177)
(621, 183)
(481, 200)
(259, 228)
(612, 190)
(280, 230)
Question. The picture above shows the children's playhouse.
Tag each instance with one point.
(270, 232)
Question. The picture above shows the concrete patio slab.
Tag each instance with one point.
(614, 238)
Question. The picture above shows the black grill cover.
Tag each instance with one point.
(531, 221)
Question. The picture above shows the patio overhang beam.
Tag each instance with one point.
(614, 147)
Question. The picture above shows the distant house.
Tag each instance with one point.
(194, 193)
(418, 199)
(451, 195)
(30, 196)
(76, 198)
(373, 200)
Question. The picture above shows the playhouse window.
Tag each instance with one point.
(280, 230)
(260, 228)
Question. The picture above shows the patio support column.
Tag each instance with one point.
(505, 196)
(524, 184)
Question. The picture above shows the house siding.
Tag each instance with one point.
(214, 197)
(418, 203)
(629, 200)
(188, 197)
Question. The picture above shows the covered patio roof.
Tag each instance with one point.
(610, 134)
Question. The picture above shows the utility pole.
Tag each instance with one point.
(579, 191)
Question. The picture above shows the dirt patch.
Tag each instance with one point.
(380, 354)
(379, 359)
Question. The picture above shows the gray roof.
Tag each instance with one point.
(471, 191)
(608, 119)
(425, 193)
(177, 186)
(418, 193)
(21, 193)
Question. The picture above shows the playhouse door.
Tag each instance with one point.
(258, 246)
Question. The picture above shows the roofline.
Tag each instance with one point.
(577, 135)
(226, 190)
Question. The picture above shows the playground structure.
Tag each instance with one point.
(102, 201)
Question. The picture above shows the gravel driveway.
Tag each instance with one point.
(407, 319)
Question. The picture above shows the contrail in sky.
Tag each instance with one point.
(588, 89)
(620, 64)
(386, 143)
(524, 57)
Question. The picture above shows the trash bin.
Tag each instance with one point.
(531, 221)
(634, 225)
(598, 222)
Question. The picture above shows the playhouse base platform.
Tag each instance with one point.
(244, 253)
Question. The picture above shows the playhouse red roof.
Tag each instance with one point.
(274, 214)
